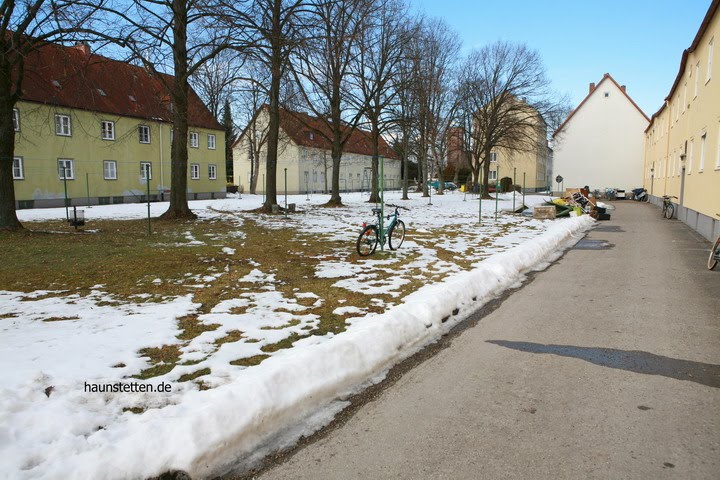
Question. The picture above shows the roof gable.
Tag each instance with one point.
(73, 77)
(606, 77)
(312, 132)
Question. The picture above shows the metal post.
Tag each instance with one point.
(524, 190)
(513, 186)
(67, 213)
(147, 181)
(87, 186)
(430, 186)
(285, 192)
(497, 187)
(382, 203)
(480, 207)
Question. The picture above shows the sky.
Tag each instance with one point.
(638, 42)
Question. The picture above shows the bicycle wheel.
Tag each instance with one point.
(669, 211)
(367, 241)
(396, 235)
(714, 254)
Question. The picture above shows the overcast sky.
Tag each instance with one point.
(638, 42)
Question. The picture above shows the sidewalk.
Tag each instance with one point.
(606, 365)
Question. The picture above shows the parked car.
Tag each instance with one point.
(447, 186)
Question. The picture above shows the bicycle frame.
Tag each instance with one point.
(383, 229)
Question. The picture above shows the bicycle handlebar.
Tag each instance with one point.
(397, 206)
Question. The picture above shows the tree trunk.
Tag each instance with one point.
(405, 167)
(8, 217)
(486, 175)
(179, 208)
(374, 181)
(335, 199)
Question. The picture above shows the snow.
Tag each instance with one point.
(249, 410)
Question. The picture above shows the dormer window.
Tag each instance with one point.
(132, 99)
(101, 92)
(56, 84)
(311, 135)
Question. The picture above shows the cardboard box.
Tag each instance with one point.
(544, 211)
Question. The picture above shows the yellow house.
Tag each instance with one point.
(305, 152)
(96, 130)
(529, 162)
(682, 142)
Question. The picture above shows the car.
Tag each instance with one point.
(447, 185)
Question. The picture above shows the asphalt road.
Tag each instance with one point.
(606, 365)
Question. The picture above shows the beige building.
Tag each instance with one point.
(305, 152)
(530, 164)
(600, 144)
(682, 142)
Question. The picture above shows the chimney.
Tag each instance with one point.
(83, 47)
(592, 87)
(623, 88)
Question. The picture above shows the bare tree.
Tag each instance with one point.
(507, 96)
(214, 80)
(323, 70)
(25, 26)
(267, 31)
(382, 44)
(156, 30)
(434, 57)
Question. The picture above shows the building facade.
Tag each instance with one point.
(306, 154)
(95, 131)
(600, 144)
(682, 141)
(529, 166)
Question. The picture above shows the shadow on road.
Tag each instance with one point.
(630, 360)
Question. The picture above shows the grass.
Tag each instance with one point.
(125, 261)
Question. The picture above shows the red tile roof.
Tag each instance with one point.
(73, 77)
(596, 88)
(312, 132)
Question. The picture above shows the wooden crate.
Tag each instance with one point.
(544, 211)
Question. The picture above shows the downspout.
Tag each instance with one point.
(667, 147)
(162, 177)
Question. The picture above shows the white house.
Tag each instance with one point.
(305, 151)
(601, 142)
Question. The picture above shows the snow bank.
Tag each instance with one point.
(211, 431)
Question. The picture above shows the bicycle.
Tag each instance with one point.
(714, 257)
(668, 207)
(371, 234)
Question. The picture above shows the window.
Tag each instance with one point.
(110, 170)
(690, 157)
(194, 140)
(63, 125)
(607, 94)
(18, 170)
(493, 157)
(194, 171)
(697, 78)
(145, 171)
(492, 176)
(144, 134)
(684, 97)
(16, 119)
(107, 130)
(212, 172)
(314, 176)
(211, 141)
(709, 61)
(702, 152)
(65, 169)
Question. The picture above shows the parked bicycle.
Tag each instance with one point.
(371, 235)
(668, 207)
(610, 193)
(714, 257)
